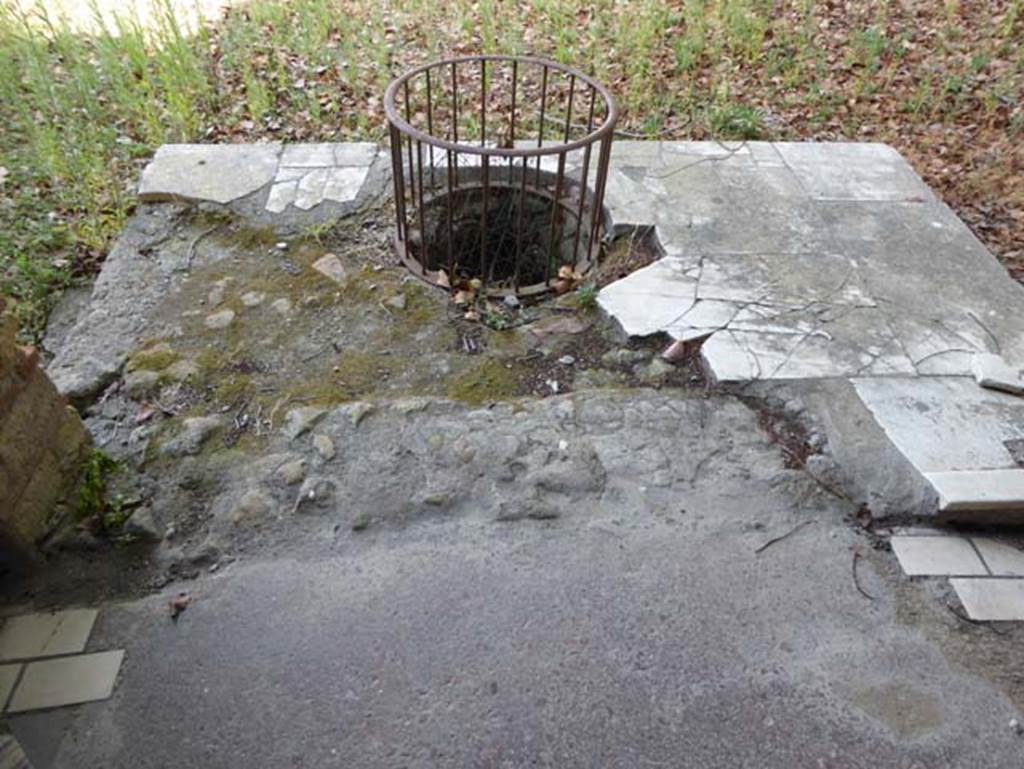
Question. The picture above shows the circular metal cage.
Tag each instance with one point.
(499, 166)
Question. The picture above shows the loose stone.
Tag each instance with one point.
(292, 472)
(220, 320)
(330, 266)
(253, 298)
(141, 382)
(301, 419)
(141, 526)
(324, 446)
(194, 432)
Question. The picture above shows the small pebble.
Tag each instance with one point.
(511, 301)
(1015, 726)
(282, 246)
(567, 360)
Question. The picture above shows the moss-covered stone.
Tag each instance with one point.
(156, 357)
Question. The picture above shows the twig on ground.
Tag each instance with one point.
(316, 353)
(856, 581)
(781, 537)
(979, 623)
(191, 253)
(995, 342)
(839, 494)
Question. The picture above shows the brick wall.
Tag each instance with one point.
(43, 444)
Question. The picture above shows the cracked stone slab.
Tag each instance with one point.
(310, 174)
(282, 194)
(650, 299)
(946, 295)
(308, 155)
(992, 371)
(310, 189)
(945, 424)
(853, 171)
(344, 182)
(220, 173)
(840, 342)
(797, 280)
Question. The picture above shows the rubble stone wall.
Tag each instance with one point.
(43, 445)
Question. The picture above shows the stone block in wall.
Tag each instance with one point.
(43, 445)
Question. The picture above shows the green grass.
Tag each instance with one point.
(81, 113)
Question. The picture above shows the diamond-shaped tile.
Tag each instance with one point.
(46, 635)
(8, 675)
(1003, 558)
(991, 598)
(67, 681)
(937, 556)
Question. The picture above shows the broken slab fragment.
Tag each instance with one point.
(992, 371)
(979, 490)
(219, 173)
(329, 265)
(649, 300)
(313, 173)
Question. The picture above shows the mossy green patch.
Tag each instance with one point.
(92, 490)
(230, 387)
(491, 380)
(354, 375)
(155, 358)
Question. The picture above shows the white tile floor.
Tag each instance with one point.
(46, 635)
(991, 598)
(66, 681)
(8, 678)
(55, 671)
(1004, 558)
(937, 556)
(986, 572)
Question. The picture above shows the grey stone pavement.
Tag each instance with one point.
(605, 643)
(651, 586)
(684, 600)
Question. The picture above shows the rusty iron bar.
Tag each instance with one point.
(485, 173)
(449, 202)
(420, 207)
(584, 178)
(430, 129)
(498, 249)
(483, 102)
(556, 220)
(519, 225)
(540, 124)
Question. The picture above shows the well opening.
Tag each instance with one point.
(499, 166)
